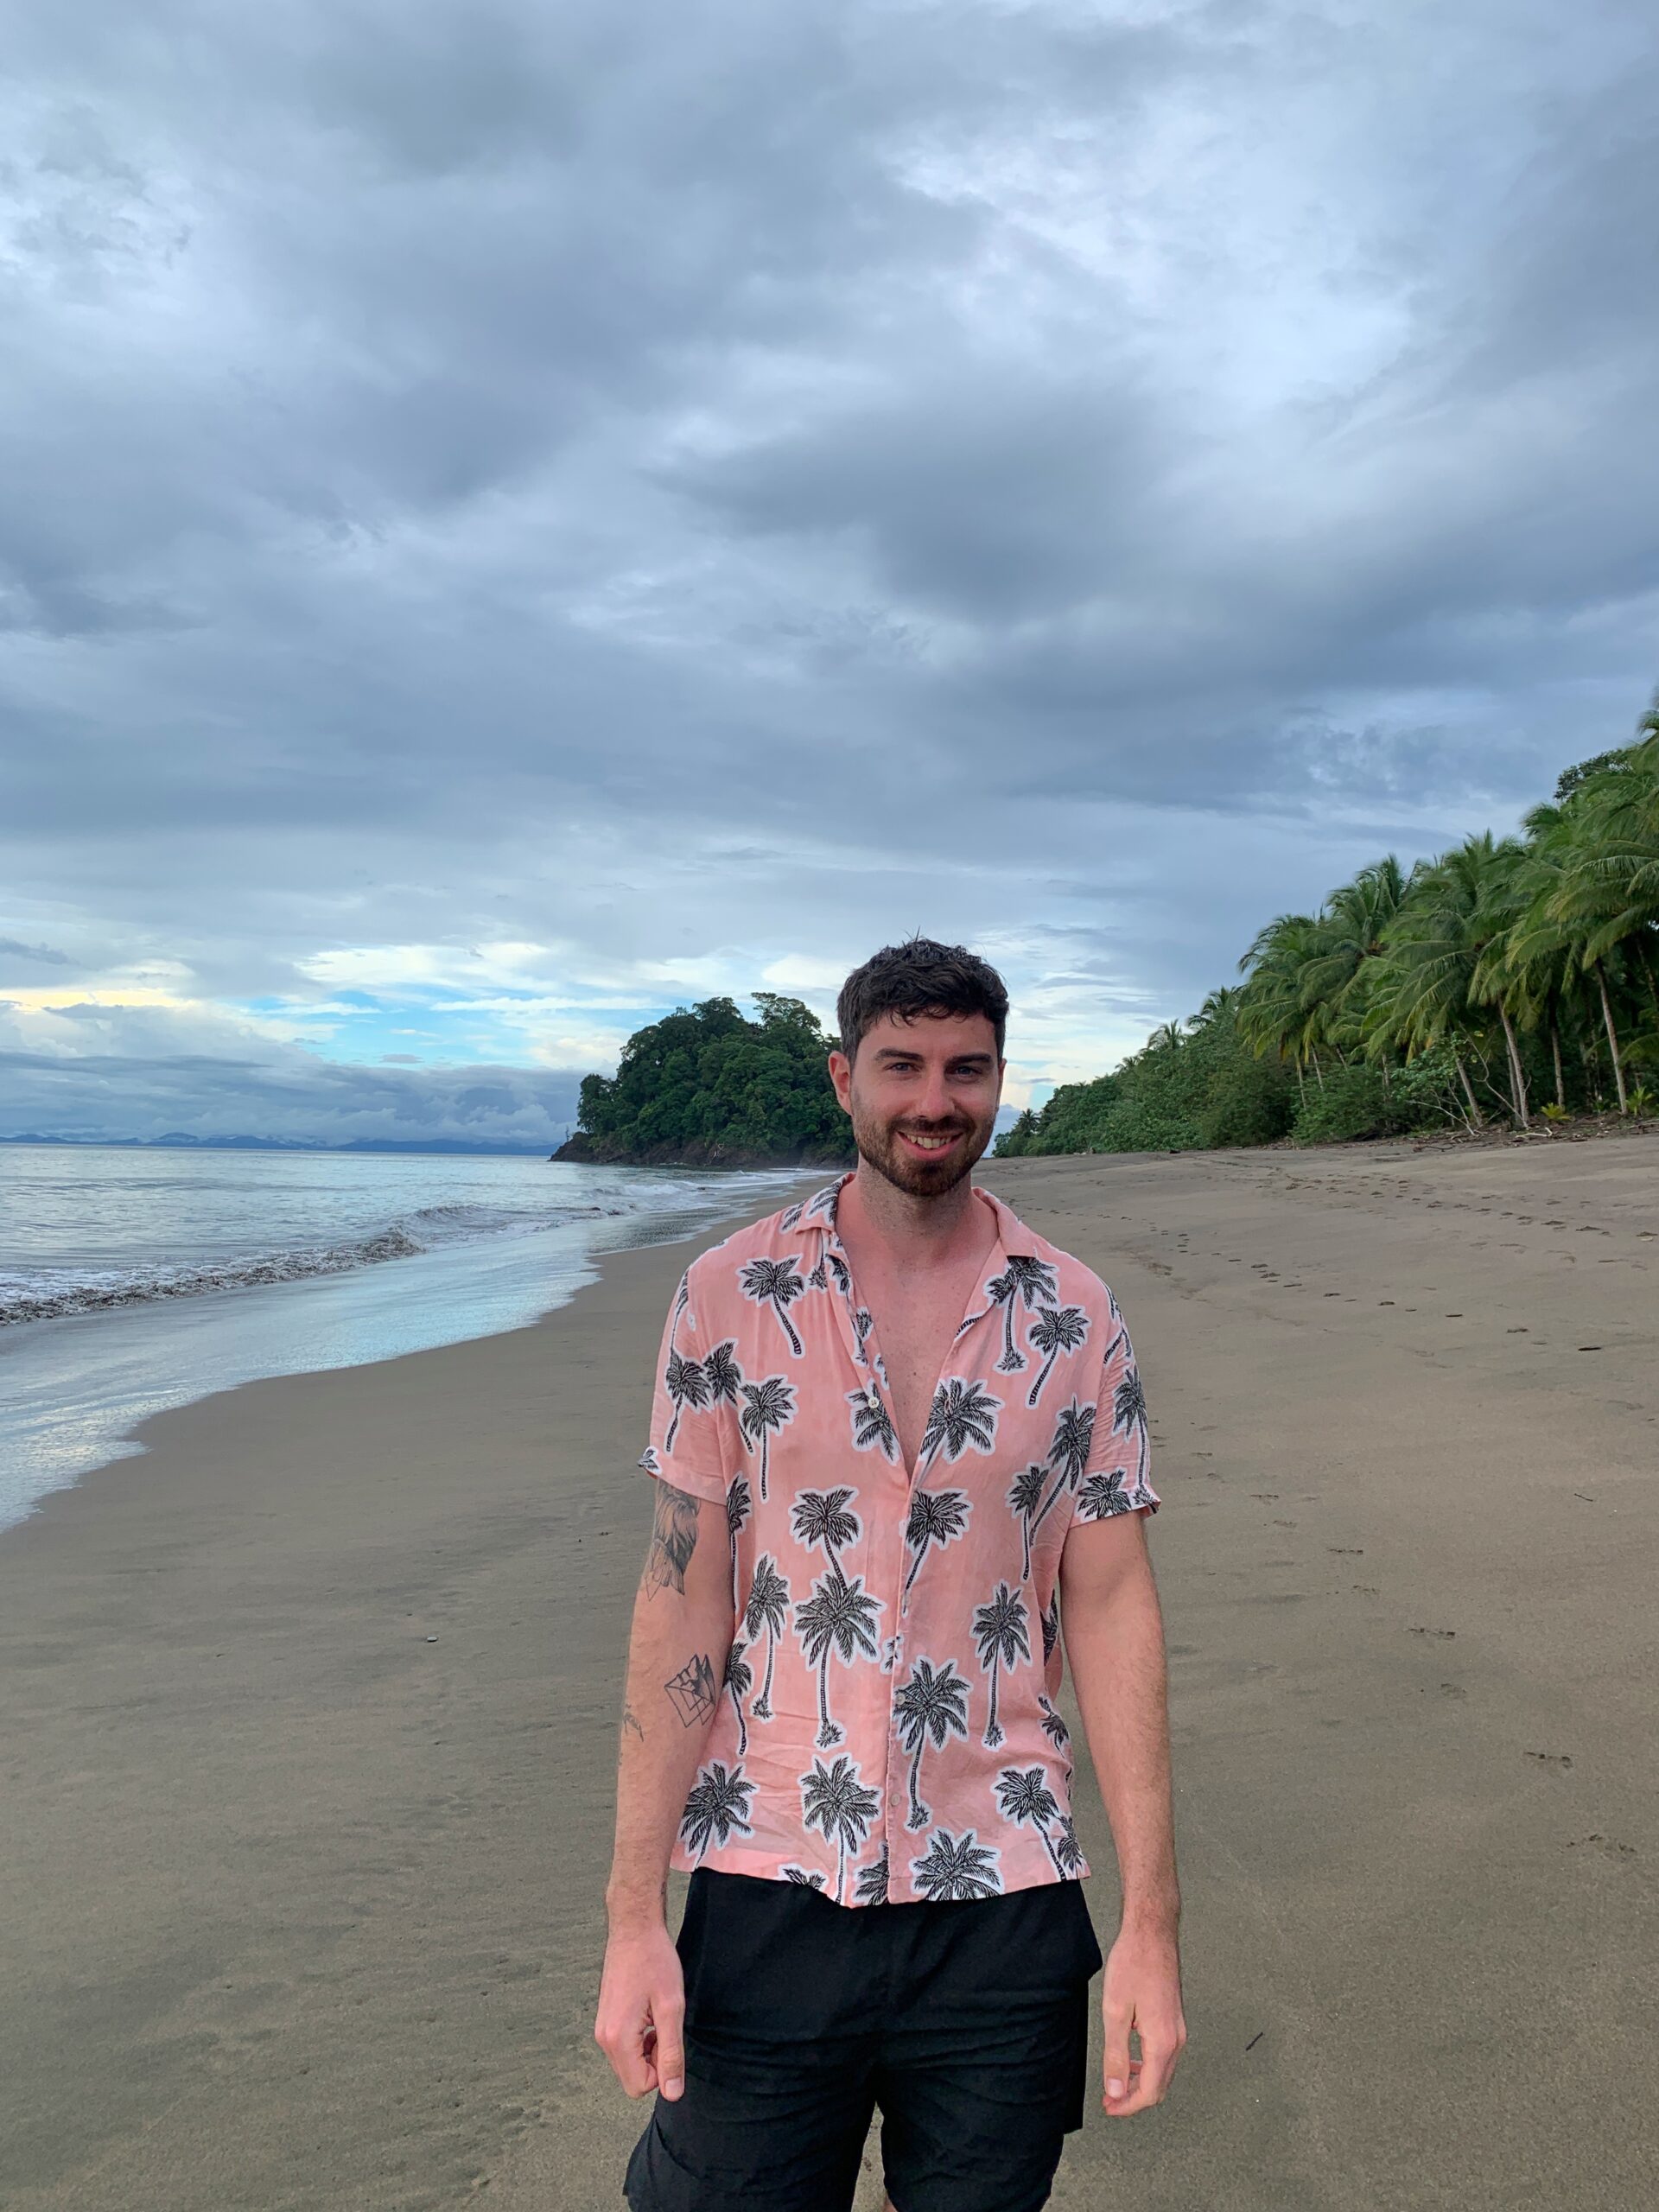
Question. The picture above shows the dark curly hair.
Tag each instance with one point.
(919, 977)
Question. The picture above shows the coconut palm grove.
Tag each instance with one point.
(1510, 981)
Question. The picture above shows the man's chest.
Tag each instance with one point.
(915, 1325)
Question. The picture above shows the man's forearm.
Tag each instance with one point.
(682, 1633)
(1115, 1641)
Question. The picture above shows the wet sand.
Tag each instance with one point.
(303, 1908)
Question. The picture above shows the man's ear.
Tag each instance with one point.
(841, 1074)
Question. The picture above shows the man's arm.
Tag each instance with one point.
(1115, 1643)
(683, 1629)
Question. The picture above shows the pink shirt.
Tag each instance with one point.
(886, 1730)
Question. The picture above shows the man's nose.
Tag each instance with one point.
(936, 1103)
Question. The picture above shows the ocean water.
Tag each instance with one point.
(132, 1282)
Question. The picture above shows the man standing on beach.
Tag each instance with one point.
(895, 1432)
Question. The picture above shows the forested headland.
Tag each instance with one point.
(706, 1087)
(1510, 982)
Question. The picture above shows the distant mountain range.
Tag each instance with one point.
(177, 1140)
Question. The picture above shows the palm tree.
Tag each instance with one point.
(955, 1868)
(718, 1804)
(863, 1322)
(820, 1518)
(775, 1283)
(836, 1618)
(1068, 1455)
(1024, 1796)
(1057, 1329)
(929, 1705)
(936, 1516)
(1275, 1014)
(962, 1413)
(873, 1429)
(1025, 1495)
(1051, 1622)
(767, 1608)
(1352, 931)
(687, 1385)
(766, 1406)
(739, 1681)
(1000, 1632)
(1024, 1278)
(833, 1800)
(721, 1373)
(872, 1883)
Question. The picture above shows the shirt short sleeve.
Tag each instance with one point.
(1117, 1477)
(687, 1446)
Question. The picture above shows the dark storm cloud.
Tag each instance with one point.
(696, 484)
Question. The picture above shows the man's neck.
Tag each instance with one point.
(912, 1232)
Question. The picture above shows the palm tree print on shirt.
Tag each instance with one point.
(718, 1804)
(1000, 1633)
(1057, 1329)
(687, 1385)
(1024, 1797)
(936, 1516)
(738, 1503)
(766, 1406)
(821, 1520)
(1025, 1496)
(1130, 1411)
(955, 1868)
(1025, 1280)
(739, 1681)
(767, 1608)
(776, 1283)
(836, 1619)
(1051, 1622)
(833, 1799)
(721, 1374)
(871, 1887)
(873, 1429)
(1068, 1455)
(962, 1413)
(929, 1705)
(1068, 1851)
(1054, 1728)
(1102, 1497)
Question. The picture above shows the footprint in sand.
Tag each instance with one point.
(1551, 1758)
(1452, 1689)
(1446, 1632)
(1346, 1551)
(1607, 1846)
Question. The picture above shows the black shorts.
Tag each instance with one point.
(966, 2024)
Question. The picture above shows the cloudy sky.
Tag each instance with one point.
(514, 516)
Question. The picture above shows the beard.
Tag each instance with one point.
(880, 1144)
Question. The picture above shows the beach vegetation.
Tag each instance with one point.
(1509, 982)
(707, 1085)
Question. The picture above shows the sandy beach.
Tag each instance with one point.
(308, 1724)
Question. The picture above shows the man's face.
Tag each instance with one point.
(923, 1096)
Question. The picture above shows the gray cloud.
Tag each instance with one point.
(756, 480)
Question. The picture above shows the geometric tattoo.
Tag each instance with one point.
(693, 1691)
(673, 1539)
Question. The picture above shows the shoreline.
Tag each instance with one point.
(309, 1906)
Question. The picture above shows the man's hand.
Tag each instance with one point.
(641, 2017)
(1143, 1992)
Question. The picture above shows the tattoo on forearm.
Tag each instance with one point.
(631, 1723)
(673, 1539)
(693, 1690)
